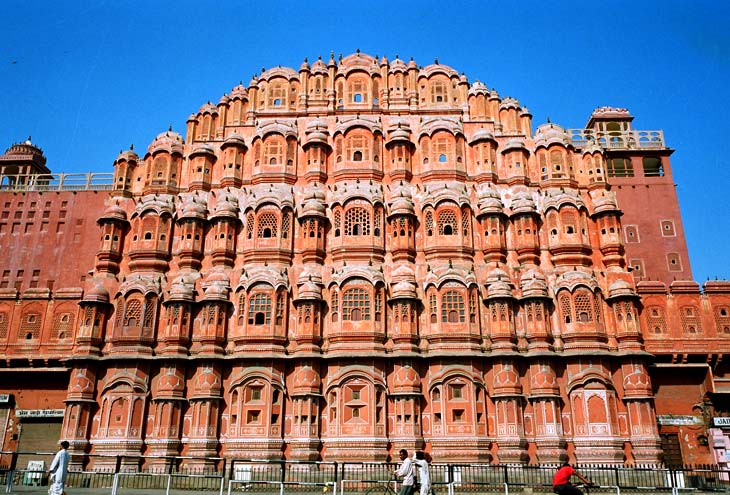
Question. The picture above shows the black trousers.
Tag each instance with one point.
(567, 489)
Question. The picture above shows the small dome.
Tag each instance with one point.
(309, 290)
(509, 103)
(203, 149)
(313, 204)
(621, 288)
(127, 156)
(478, 88)
(182, 289)
(216, 286)
(226, 207)
(234, 139)
(113, 212)
(522, 203)
(306, 381)
(514, 144)
(498, 284)
(169, 141)
(605, 202)
(189, 207)
(490, 202)
(208, 108)
(548, 134)
(397, 65)
(97, 294)
(319, 67)
(404, 290)
(239, 92)
(406, 380)
(533, 284)
(305, 66)
(224, 100)
(482, 134)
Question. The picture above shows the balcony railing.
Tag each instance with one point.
(618, 139)
(57, 182)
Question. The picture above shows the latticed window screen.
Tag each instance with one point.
(249, 225)
(338, 222)
(259, 309)
(267, 227)
(133, 313)
(583, 306)
(441, 149)
(149, 312)
(63, 324)
(277, 95)
(357, 148)
(472, 306)
(241, 307)
(210, 314)
(447, 223)
(357, 222)
(334, 304)
(88, 313)
(429, 223)
(690, 317)
(722, 319)
(465, 222)
(279, 309)
(274, 152)
(4, 320)
(565, 307)
(432, 307)
(378, 305)
(174, 314)
(356, 305)
(452, 307)
(504, 313)
(285, 225)
(656, 319)
(376, 221)
(30, 326)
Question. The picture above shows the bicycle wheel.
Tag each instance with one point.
(380, 489)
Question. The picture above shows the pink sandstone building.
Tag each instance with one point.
(355, 257)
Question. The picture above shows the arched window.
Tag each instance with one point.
(268, 223)
(356, 304)
(133, 313)
(337, 222)
(583, 301)
(274, 150)
(565, 306)
(357, 221)
(452, 307)
(429, 223)
(447, 223)
(259, 309)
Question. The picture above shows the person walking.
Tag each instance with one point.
(424, 477)
(59, 470)
(405, 471)
(562, 484)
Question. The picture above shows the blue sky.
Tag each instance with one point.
(87, 79)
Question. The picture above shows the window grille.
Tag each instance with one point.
(452, 307)
(267, 225)
(356, 305)
(259, 309)
(583, 306)
(447, 223)
(357, 222)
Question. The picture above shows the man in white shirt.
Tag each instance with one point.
(59, 470)
(406, 472)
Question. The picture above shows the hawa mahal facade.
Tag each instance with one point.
(356, 257)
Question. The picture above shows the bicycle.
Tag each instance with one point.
(383, 488)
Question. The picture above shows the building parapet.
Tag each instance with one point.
(57, 182)
(618, 140)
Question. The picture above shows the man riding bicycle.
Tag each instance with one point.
(562, 484)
